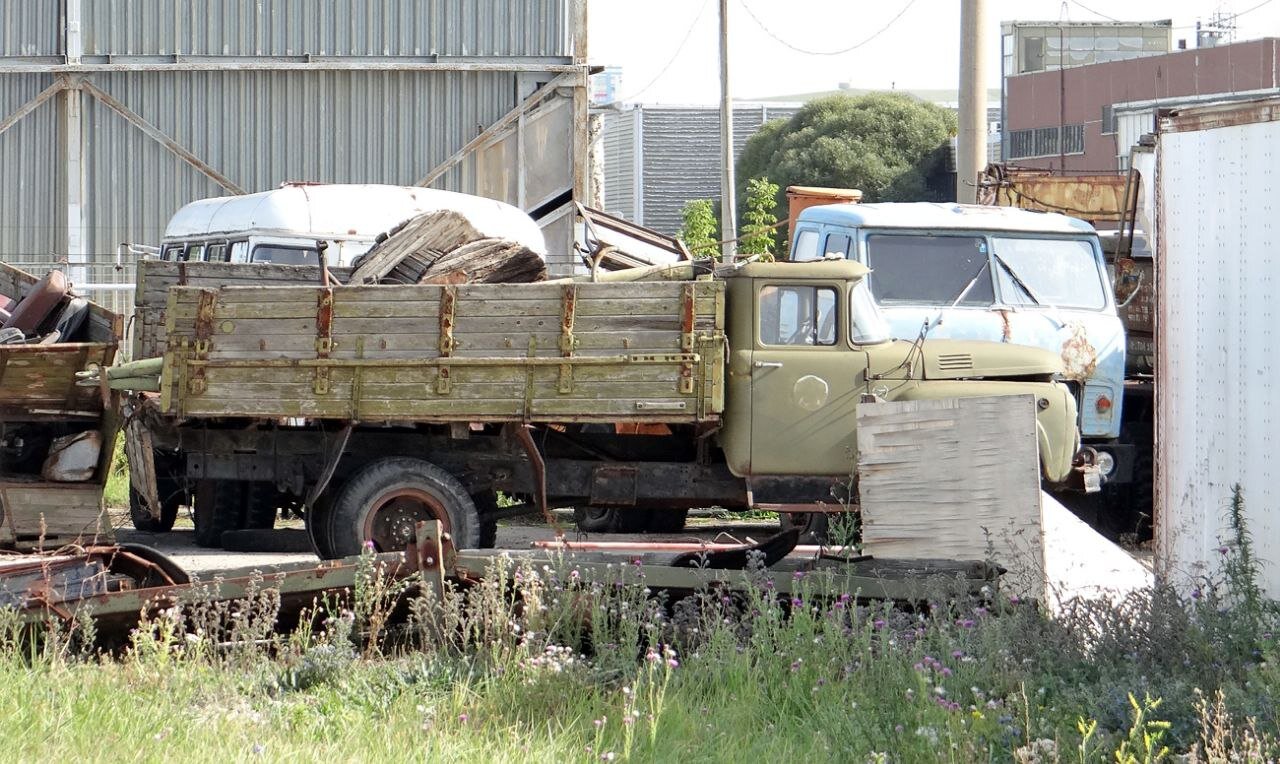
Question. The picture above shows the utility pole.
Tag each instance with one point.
(971, 143)
(728, 206)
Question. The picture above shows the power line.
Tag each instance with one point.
(679, 49)
(1250, 10)
(842, 51)
(1095, 13)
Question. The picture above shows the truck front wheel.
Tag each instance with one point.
(383, 501)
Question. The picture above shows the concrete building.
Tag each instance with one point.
(1085, 118)
(113, 115)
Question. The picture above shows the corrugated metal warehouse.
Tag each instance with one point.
(114, 114)
(656, 158)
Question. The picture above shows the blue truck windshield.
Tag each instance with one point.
(1061, 273)
(916, 269)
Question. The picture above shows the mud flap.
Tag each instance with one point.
(142, 465)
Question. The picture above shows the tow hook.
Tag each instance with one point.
(1087, 474)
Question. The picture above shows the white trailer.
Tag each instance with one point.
(1217, 339)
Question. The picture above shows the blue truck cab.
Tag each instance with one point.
(992, 273)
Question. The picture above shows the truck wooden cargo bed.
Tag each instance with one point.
(543, 352)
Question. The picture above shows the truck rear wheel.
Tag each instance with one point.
(382, 502)
(219, 507)
(170, 498)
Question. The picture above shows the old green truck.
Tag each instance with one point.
(645, 393)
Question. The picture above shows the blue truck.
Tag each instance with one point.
(951, 271)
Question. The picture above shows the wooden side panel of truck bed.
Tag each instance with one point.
(548, 352)
(151, 298)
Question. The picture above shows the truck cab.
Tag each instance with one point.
(807, 342)
(965, 272)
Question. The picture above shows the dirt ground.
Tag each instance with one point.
(519, 533)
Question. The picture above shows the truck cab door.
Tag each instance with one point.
(806, 381)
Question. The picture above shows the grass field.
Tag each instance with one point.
(559, 668)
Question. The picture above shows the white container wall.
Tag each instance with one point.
(1218, 341)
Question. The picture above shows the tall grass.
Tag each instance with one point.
(546, 663)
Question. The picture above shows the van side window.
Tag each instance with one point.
(172, 252)
(239, 252)
(837, 244)
(194, 253)
(218, 252)
(797, 315)
(806, 246)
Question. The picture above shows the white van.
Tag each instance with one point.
(293, 224)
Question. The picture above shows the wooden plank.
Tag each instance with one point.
(54, 511)
(955, 479)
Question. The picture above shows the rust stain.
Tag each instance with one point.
(1006, 328)
(1079, 358)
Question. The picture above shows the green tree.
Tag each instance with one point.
(759, 218)
(698, 230)
(890, 145)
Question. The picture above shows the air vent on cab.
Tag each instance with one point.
(955, 361)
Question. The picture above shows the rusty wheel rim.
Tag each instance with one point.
(390, 524)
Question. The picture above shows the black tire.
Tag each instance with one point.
(284, 540)
(667, 520)
(486, 504)
(261, 502)
(219, 507)
(319, 518)
(381, 502)
(170, 501)
(814, 527)
(610, 519)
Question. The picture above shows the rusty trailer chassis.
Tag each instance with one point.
(128, 583)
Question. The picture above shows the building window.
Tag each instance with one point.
(1108, 120)
(1046, 141)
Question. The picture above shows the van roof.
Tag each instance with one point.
(933, 216)
(345, 211)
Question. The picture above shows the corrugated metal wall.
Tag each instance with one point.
(680, 149)
(323, 27)
(258, 126)
(619, 146)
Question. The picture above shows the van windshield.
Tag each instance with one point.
(917, 269)
(1062, 273)
(271, 253)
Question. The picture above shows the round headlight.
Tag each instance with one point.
(1106, 463)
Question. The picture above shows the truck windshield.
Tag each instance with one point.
(1062, 273)
(915, 269)
(868, 326)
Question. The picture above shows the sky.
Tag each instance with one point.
(668, 48)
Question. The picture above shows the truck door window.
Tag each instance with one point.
(915, 269)
(837, 244)
(806, 246)
(798, 315)
(272, 253)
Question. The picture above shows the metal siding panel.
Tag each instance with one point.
(32, 216)
(264, 128)
(619, 163)
(1217, 343)
(682, 157)
(314, 27)
(30, 28)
